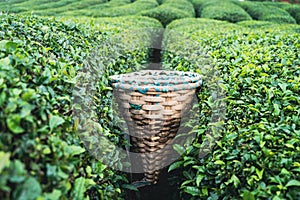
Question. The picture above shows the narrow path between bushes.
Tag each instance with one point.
(167, 186)
(156, 57)
(165, 189)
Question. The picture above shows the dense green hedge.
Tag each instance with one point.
(35, 5)
(41, 153)
(130, 9)
(171, 10)
(281, 5)
(256, 24)
(92, 8)
(218, 9)
(257, 154)
(76, 5)
(265, 24)
(65, 7)
(226, 11)
(294, 10)
(259, 11)
(278, 18)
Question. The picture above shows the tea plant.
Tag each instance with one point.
(257, 153)
(41, 153)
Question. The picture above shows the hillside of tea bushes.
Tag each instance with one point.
(163, 10)
(49, 49)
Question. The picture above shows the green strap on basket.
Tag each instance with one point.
(143, 91)
(135, 106)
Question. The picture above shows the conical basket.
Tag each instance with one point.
(152, 103)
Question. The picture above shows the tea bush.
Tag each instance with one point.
(256, 24)
(259, 11)
(279, 18)
(281, 5)
(33, 5)
(124, 10)
(256, 152)
(293, 9)
(226, 11)
(42, 156)
(265, 24)
(76, 5)
(94, 10)
(171, 10)
(294, 12)
(129, 9)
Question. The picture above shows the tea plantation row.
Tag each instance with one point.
(42, 156)
(255, 71)
(163, 10)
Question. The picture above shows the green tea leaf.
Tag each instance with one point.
(235, 180)
(276, 198)
(74, 150)
(276, 109)
(54, 195)
(130, 187)
(5, 64)
(29, 190)
(4, 160)
(283, 86)
(29, 94)
(14, 123)
(219, 162)
(78, 189)
(175, 165)
(289, 146)
(192, 190)
(259, 173)
(179, 149)
(55, 121)
(293, 183)
(199, 179)
(9, 46)
(248, 196)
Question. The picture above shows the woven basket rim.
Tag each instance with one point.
(156, 80)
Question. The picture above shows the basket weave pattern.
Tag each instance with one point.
(152, 103)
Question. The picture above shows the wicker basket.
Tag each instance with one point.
(152, 103)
